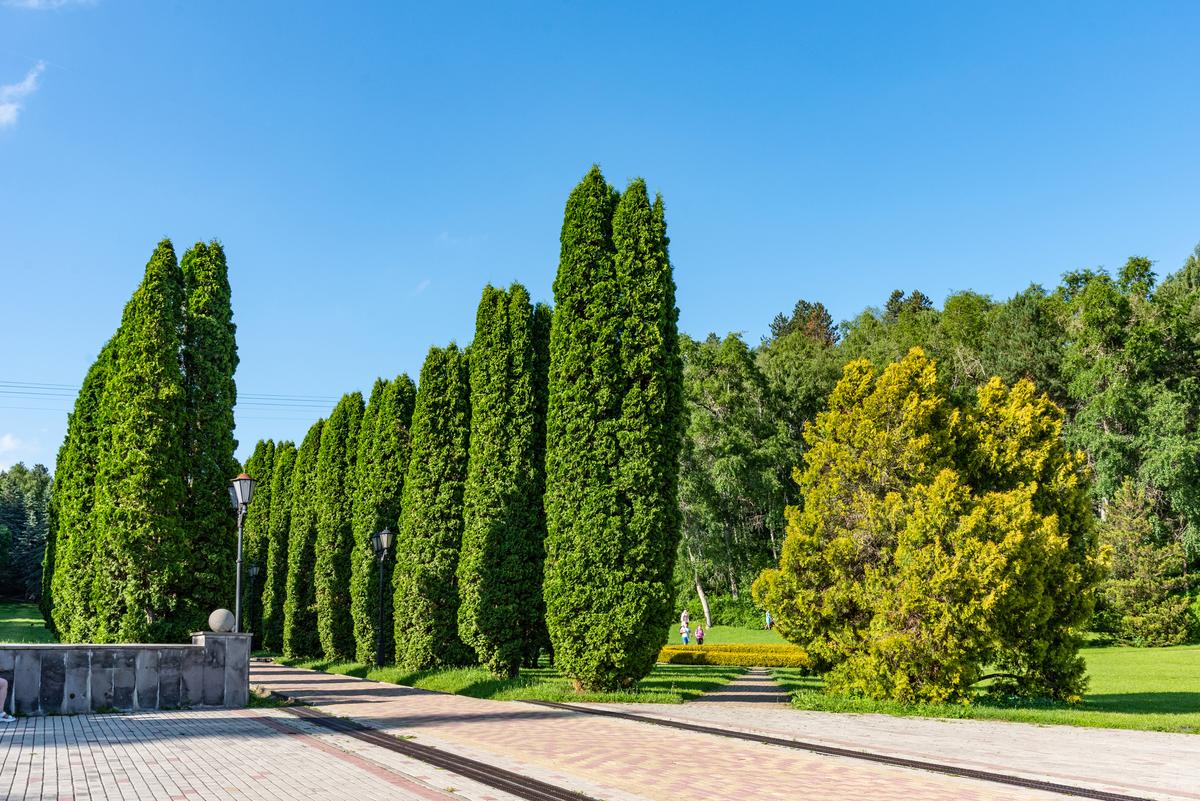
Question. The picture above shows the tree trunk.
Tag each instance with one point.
(703, 602)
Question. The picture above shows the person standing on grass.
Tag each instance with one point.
(684, 617)
(4, 716)
(684, 632)
(699, 634)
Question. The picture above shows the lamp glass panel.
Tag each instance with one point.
(244, 487)
(385, 539)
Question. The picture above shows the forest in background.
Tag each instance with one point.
(1118, 352)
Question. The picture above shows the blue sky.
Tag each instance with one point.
(369, 167)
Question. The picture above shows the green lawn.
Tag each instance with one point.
(667, 684)
(22, 622)
(727, 635)
(1131, 688)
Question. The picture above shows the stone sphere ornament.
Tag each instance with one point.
(221, 621)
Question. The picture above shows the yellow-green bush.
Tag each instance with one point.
(746, 655)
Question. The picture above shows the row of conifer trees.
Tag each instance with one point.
(139, 545)
(531, 478)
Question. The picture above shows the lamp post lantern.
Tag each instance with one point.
(241, 490)
(381, 543)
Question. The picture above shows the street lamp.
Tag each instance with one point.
(241, 490)
(381, 543)
(252, 569)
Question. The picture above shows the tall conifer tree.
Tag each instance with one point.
(427, 548)
(300, 602)
(500, 567)
(66, 580)
(145, 553)
(613, 436)
(382, 459)
(335, 529)
(260, 466)
(652, 425)
(274, 575)
(209, 361)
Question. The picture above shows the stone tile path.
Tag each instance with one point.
(613, 759)
(1143, 764)
(755, 686)
(249, 755)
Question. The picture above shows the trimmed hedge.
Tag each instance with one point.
(747, 655)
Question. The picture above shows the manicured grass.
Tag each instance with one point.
(22, 622)
(727, 635)
(1131, 688)
(667, 684)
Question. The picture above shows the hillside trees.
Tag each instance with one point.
(383, 456)
(732, 490)
(613, 436)
(24, 524)
(500, 566)
(425, 584)
(274, 574)
(937, 538)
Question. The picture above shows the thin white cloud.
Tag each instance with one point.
(421, 287)
(12, 95)
(46, 5)
(11, 446)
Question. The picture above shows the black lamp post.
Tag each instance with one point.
(252, 570)
(381, 543)
(241, 490)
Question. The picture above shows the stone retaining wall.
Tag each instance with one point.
(67, 679)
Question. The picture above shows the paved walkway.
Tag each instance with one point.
(217, 755)
(1145, 764)
(616, 760)
(755, 686)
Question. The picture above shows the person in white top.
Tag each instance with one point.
(4, 716)
(684, 618)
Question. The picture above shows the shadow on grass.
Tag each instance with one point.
(666, 684)
(1153, 703)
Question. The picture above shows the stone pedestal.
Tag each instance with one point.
(226, 668)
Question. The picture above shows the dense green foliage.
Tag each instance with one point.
(67, 568)
(256, 536)
(334, 506)
(24, 524)
(275, 565)
(614, 429)
(209, 360)
(937, 538)
(142, 554)
(1145, 599)
(300, 600)
(141, 536)
(500, 567)
(383, 454)
(425, 583)
(732, 491)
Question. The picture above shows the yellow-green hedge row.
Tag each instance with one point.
(742, 655)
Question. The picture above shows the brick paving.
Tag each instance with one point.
(613, 759)
(249, 755)
(1137, 763)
